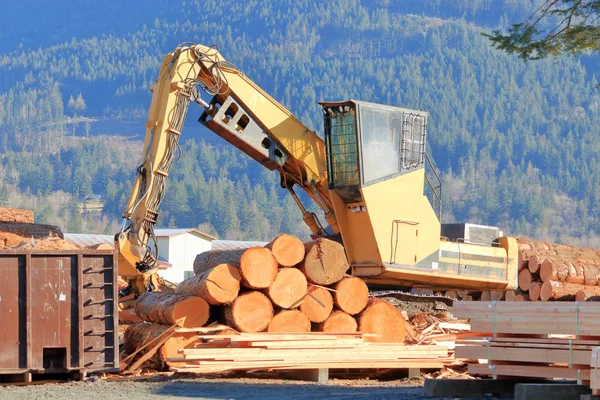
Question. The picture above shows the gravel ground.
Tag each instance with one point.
(200, 389)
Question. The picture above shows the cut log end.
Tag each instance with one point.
(288, 250)
(250, 312)
(172, 309)
(338, 322)
(533, 264)
(534, 291)
(219, 285)
(317, 304)
(525, 279)
(258, 268)
(384, 320)
(292, 321)
(288, 289)
(351, 295)
(325, 262)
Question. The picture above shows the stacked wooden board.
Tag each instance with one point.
(549, 272)
(218, 349)
(286, 286)
(552, 340)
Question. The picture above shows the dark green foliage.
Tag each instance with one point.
(556, 27)
(516, 144)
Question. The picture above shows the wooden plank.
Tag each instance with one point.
(546, 356)
(531, 371)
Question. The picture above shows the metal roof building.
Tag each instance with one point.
(235, 244)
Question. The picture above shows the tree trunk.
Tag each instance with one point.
(534, 291)
(219, 285)
(288, 250)
(573, 271)
(250, 312)
(258, 266)
(525, 279)
(288, 289)
(325, 262)
(317, 304)
(338, 322)
(555, 290)
(172, 309)
(383, 319)
(292, 321)
(351, 295)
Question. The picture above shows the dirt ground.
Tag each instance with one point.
(205, 389)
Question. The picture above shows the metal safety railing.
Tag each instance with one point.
(435, 188)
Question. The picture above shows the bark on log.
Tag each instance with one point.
(288, 250)
(37, 231)
(325, 262)
(383, 319)
(219, 285)
(172, 309)
(338, 322)
(556, 290)
(250, 312)
(317, 304)
(292, 321)
(257, 265)
(351, 295)
(534, 291)
(525, 279)
(288, 289)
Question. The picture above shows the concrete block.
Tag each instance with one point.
(589, 397)
(467, 387)
(319, 375)
(550, 391)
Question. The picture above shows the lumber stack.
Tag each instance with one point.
(552, 340)
(216, 349)
(549, 271)
(285, 287)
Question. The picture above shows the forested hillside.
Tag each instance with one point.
(517, 144)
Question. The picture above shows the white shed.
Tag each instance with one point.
(179, 247)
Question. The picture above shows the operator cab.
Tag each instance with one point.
(369, 143)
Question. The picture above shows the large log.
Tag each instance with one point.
(325, 262)
(250, 312)
(291, 321)
(590, 293)
(573, 271)
(288, 250)
(16, 215)
(257, 265)
(533, 264)
(556, 290)
(317, 304)
(534, 291)
(288, 289)
(351, 295)
(383, 319)
(37, 231)
(219, 285)
(172, 309)
(338, 322)
(525, 278)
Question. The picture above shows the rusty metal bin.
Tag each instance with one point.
(58, 311)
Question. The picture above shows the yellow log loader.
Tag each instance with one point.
(368, 176)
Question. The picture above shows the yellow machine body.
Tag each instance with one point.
(368, 176)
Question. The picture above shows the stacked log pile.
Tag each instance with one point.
(18, 231)
(286, 286)
(266, 306)
(530, 339)
(549, 272)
